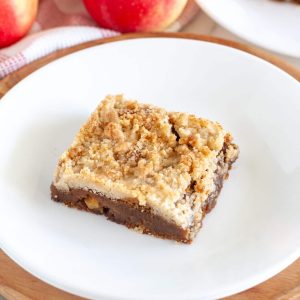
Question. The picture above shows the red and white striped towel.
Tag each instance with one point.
(61, 24)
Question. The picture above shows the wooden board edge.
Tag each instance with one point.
(12, 79)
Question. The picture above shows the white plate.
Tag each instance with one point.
(271, 24)
(252, 233)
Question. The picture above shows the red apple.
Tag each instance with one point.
(16, 18)
(135, 15)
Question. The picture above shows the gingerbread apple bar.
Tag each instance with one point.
(151, 170)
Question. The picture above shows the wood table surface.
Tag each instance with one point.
(18, 284)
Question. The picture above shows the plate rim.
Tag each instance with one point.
(266, 275)
(13, 78)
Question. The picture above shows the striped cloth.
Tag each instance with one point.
(61, 24)
(41, 44)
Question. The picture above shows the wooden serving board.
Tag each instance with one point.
(9, 81)
(18, 284)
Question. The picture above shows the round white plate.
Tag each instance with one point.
(271, 24)
(252, 233)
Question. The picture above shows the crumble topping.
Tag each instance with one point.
(141, 152)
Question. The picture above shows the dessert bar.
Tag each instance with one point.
(154, 171)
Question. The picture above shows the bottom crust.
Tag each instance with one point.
(141, 218)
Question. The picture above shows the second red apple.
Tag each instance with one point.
(135, 15)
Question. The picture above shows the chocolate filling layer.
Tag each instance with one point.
(132, 215)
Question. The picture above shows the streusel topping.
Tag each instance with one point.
(138, 151)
